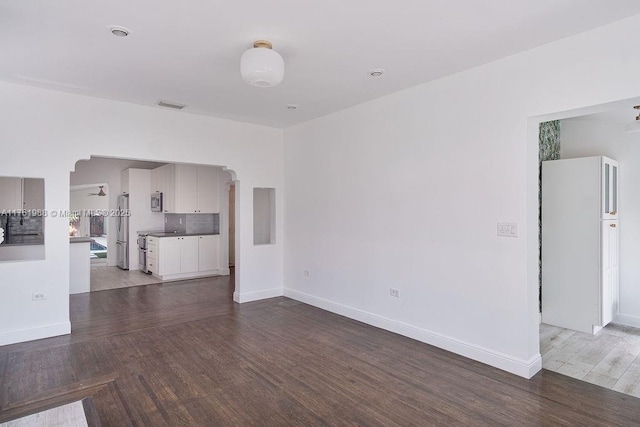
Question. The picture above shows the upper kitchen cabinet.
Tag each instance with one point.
(190, 189)
(208, 200)
(609, 188)
(10, 193)
(186, 188)
(21, 193)
(33, 193)
(157, 180)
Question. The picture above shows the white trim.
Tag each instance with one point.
(186, 276)
(523, 368)
(35, 333)
(627, 320)
(257, 295)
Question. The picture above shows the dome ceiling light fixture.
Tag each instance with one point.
(262, 66)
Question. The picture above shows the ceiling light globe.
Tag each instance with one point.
(262, 67)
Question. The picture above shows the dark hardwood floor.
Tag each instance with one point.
(184, 354)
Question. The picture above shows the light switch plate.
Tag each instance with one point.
(508, 229)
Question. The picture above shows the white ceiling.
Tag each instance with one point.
(189, 52)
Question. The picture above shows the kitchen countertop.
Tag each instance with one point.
(3, 244)
(181, 234)
(80, 240)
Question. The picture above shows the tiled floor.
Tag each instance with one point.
(611, 358)
(103, 277)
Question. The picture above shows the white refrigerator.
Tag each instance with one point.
(122, 228)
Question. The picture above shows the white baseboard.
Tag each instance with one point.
(35, 333)
(520, 367)
(257, 295)
(627, 320)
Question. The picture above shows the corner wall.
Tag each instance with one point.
(48, 131)
(406, 192)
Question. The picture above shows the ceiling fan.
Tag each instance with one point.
(99, 193)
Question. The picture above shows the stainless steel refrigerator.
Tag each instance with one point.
(122, 227)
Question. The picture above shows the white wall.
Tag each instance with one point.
(582, 138)
(406, 191)
(55, 129)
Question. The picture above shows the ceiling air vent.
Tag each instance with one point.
(167, 104)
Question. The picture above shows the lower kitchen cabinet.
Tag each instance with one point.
(208, 253)
(184, 257)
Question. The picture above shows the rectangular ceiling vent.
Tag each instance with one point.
(167, 104)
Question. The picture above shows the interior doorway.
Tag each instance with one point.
(611, 357)
(99, 222)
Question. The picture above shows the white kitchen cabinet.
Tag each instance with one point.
(609, 203)
(186, 188)
(190, 189)
(33, 194)
(208, 253)
(168, 261)
(183, 257)
(610, 270)
(177, 255)
(580, 243)
(169, 188)
(188, 254)
(152, 257)
(124, 181)
(10, 193)
(208, 199)
(157, 180)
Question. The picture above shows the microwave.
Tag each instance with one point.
(156, 202)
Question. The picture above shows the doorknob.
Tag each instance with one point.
(612, 225)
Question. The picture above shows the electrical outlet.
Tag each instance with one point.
(394, 292)
(38, 296)
(307, 273)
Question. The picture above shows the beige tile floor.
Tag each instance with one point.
(611, 358)
(104, 277)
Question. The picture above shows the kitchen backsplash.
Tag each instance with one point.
(22, 229)
(192, 223)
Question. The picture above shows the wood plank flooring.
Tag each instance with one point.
(182, 353)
